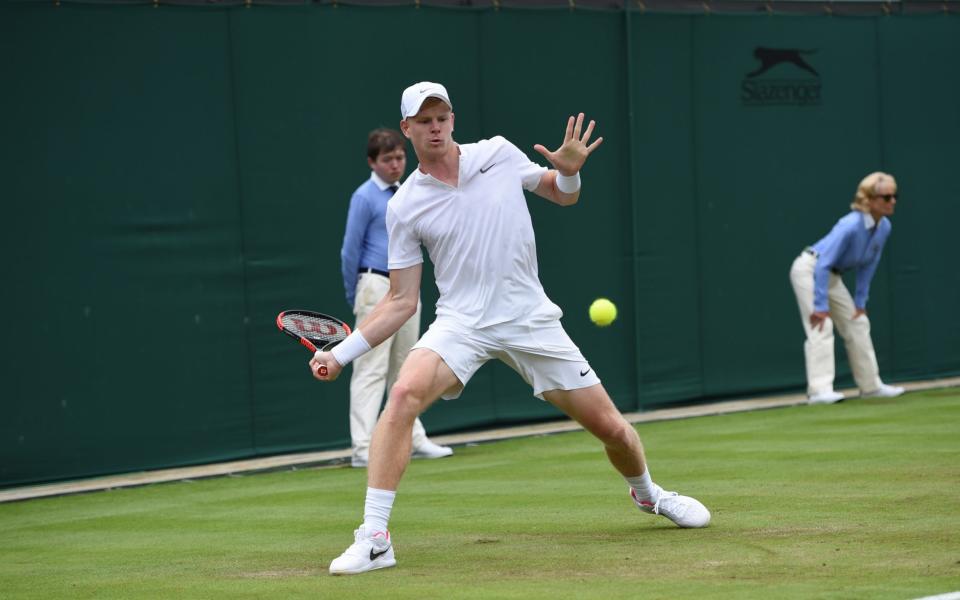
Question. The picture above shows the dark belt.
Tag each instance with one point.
(816, 254)
(375, 271)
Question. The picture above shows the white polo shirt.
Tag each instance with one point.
(479, 235)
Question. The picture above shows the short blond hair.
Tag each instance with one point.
(868, 189)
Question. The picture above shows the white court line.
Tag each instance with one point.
(948, 596)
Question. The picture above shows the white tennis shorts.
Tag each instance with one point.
(539, 350)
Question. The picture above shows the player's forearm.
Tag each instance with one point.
(387, 318)
(553, 192)
(567, 199)
(384, 321)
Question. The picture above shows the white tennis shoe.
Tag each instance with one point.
(682, 510)
(830, 397)
(884, 391)
(369, 551)
(430, 450)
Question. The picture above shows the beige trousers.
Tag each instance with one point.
(818, 347)
(376, 371)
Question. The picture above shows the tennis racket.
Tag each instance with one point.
(314, 330)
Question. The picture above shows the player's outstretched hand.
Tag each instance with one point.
(324, 366)
(571, 155)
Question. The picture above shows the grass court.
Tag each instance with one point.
(856, 500)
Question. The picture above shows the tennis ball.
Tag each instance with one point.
(603, 312)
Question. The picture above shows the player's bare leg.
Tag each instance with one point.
(422, 379)
(593, 408)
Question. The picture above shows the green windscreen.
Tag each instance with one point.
(174, 177)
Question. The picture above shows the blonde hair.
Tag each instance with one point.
(868, 189)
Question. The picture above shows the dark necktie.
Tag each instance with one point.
(393, 189)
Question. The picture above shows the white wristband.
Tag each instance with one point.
(351, 348)
(568, 185)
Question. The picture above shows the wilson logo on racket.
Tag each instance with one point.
(314, 330)
(312, 326)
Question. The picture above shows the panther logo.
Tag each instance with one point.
(771, 57)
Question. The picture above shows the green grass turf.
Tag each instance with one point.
(857, 500)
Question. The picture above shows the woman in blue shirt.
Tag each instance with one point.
(854, 244)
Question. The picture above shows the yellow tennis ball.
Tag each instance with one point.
(603, 312)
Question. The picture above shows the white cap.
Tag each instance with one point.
(414, 96)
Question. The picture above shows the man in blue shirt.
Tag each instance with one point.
(366, 280)
(854, 244)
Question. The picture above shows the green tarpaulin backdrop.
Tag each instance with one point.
(173, 177)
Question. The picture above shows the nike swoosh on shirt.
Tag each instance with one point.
(487, 169)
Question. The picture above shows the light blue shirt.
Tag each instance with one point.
(365, 238)
(855, 242)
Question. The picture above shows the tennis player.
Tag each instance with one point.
(465, 204)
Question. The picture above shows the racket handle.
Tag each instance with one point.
(322, 371)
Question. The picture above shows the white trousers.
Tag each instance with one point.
(818, 347)
(376, 371)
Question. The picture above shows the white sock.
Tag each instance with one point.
(643, 485)
(376, 509)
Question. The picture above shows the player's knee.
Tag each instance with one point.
(405, 401)
(618, 433)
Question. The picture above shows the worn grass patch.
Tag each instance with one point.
(857, 500)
